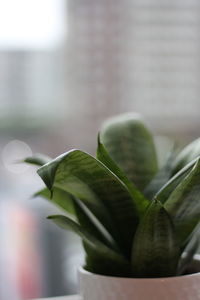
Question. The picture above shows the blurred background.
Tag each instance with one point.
(65, 66)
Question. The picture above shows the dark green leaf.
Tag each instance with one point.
(155, 251)
(74, 207)
(38, 160)
(160, 179)
(59, 197)
(184, 203)
(164, 193)
(92, 226)
(189, 250)
(131, 146)
(101, 191)
(189, 153)
(139, 200)
(88, 221)
(107, 260)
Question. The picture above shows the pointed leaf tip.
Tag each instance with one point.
(37, 159)
(130, 144)
(155, 251)
(103, 193)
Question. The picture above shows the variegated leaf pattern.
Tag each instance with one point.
(164, 193)
(183, 205)
(59, 197)
(189, 153)
(131, 146)
(139, 200)
(155, 250)
(101, 191)
(104, 257)
(161, 177)
(37, 159)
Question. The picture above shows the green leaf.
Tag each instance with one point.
(38, 160)
(188, 154)
(131, 146)
(107, 260)
(74, 207)
(155, 251)
(99, 189)
(160, 179)
(139, 200)
(164, 193)
(189, 250)
(183, 205)
(59, 197)
(88, 221)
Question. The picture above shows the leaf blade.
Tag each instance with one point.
(108, 260)
(161, 177)
(184, 203)
(131, 146)
(155, 250)
(164, 193)
(37, 159)
(59, 197)
(188, 154)
(139, 200)
(100, 190)
(91, 224)
(189, 250)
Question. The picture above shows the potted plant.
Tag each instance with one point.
(138, 223)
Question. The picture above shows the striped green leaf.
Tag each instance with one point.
(131, 146)
(189, 250)
(155, 250)
(189, 153)
(164, 193)
(106, 260)
(184, 203)
(37, 159)
(102, 192)
(161, 178)
(88, 221)
(76, 208)
(139, 200)
(59, 197)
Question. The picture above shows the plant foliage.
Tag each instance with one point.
(135, 219)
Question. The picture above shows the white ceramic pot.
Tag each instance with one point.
(98, 287)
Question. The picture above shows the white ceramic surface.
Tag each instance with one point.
(98, 287)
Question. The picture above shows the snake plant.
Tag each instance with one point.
(135, 219)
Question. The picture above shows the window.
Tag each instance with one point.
(31, 33)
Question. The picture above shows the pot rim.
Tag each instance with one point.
(172, 278)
